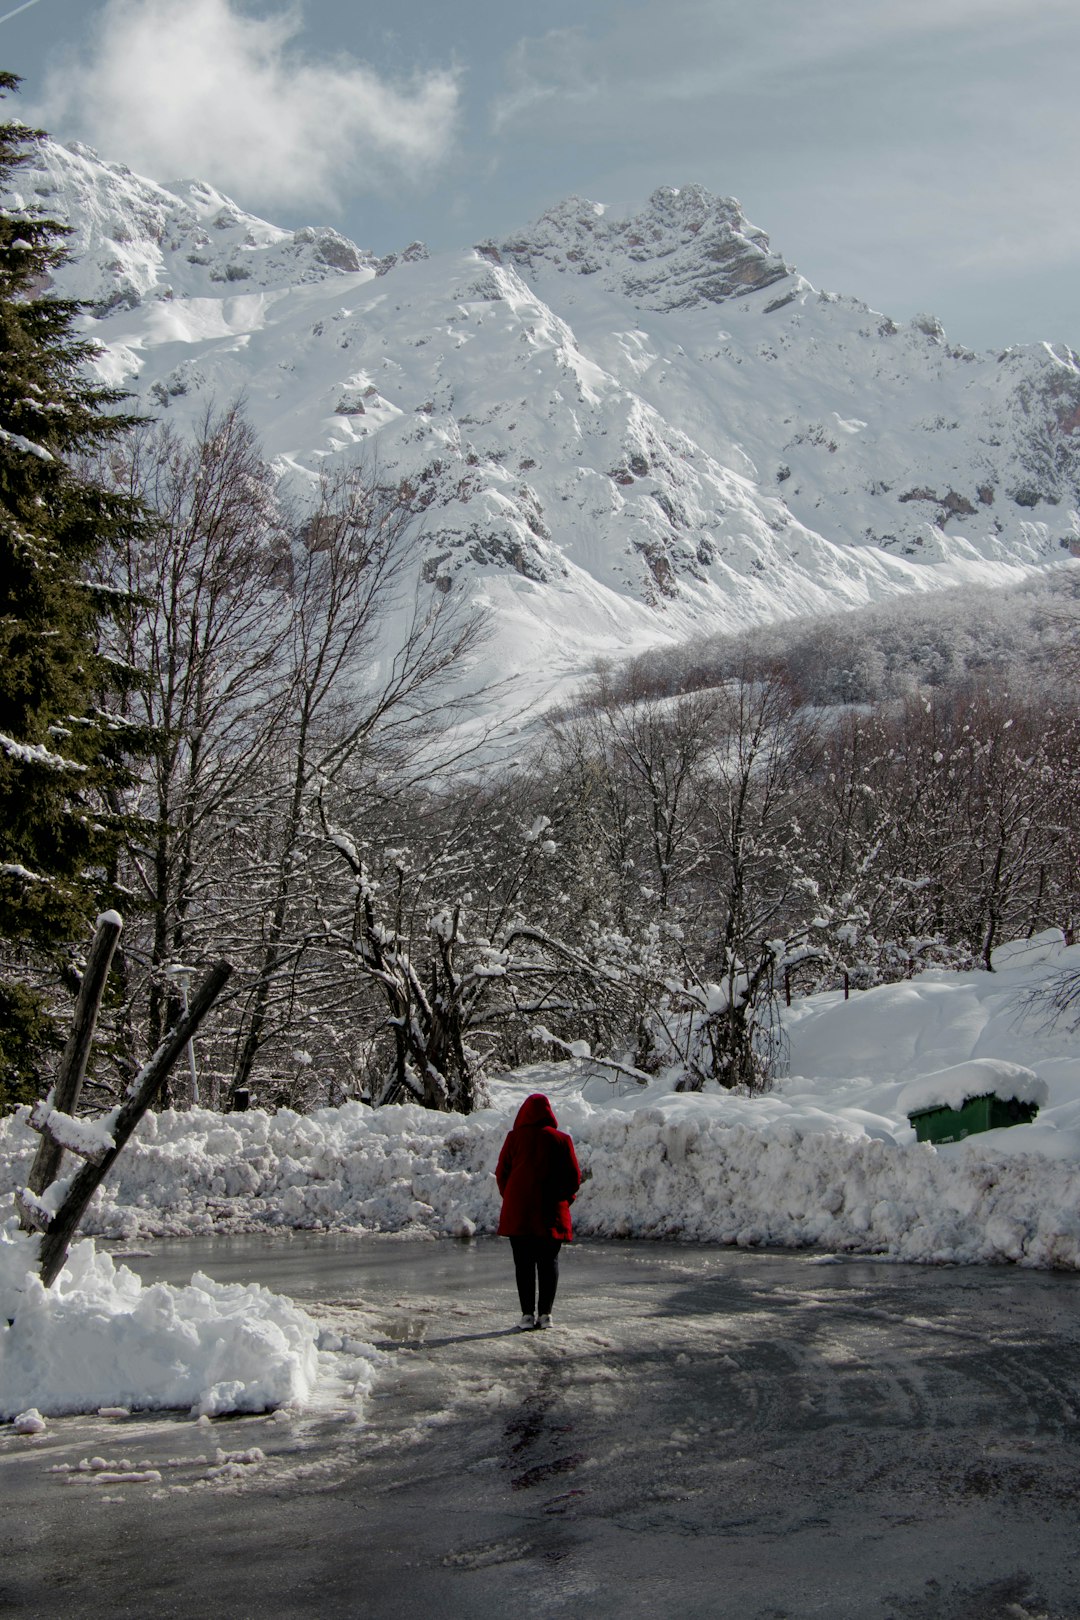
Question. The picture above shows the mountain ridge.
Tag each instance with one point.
(621, 431)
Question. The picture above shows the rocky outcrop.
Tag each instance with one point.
(684, 250)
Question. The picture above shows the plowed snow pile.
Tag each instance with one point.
(99, 1338)
(827, 1158)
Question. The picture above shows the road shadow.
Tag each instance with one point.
(448, 1339)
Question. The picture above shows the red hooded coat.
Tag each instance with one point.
(538, 1174)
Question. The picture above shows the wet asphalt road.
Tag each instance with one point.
(706, 1433)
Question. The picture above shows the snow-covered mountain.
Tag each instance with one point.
(622, 430)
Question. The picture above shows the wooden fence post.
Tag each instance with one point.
(72, 1069)
(60, 1227)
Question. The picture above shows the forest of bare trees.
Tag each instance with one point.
(696, 840)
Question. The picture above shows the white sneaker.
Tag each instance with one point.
(543, 1321)
(528, 1322)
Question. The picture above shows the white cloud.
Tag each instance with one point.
(560, 65)
(199, 89)
(688, 50)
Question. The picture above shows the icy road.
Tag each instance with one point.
(707, 1432)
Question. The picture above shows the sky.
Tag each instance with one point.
(920, 154)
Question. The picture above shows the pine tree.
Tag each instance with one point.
(63, 746)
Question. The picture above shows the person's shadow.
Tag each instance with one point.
(453, 1338)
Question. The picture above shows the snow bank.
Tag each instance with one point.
(827, 1158)
(704, 1181)
(99, 1338)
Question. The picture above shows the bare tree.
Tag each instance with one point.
(756, 791)
(207, 630)
(366, 665)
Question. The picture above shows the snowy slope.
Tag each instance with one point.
(620, 431)
(874, 433)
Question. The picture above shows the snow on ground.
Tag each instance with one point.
(101, 1340)
(826, 1159)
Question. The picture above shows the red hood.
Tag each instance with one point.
(536, 1110)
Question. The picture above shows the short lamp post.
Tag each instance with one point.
(181, 977)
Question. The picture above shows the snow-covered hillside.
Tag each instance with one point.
(622, 431)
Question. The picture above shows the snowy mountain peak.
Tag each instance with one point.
(620, 431)
(133, 239)
(685, 249)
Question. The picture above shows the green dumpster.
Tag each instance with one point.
(985, 1113)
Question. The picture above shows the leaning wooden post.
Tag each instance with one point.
(59, 1228)
(72, 1069)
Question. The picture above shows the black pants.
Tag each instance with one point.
(536, 1267)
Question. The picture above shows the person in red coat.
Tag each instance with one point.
(538, 1176)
